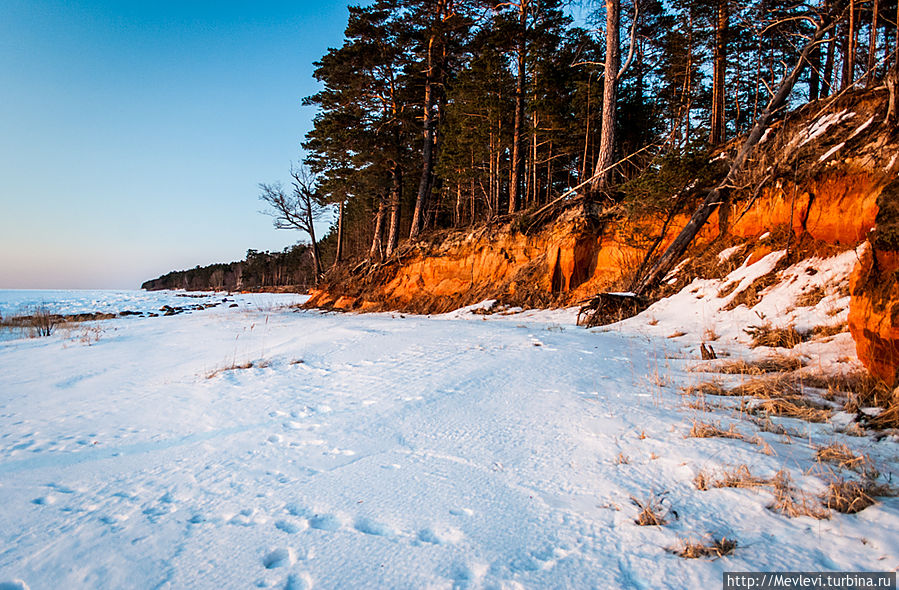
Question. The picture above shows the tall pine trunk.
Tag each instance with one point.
(427, 152)
(338, 257)
(827, 86)
(396, 195)
(376, 245)
(602, 173)
(872, 45)
(517, 135)
(716, 133)
(814, 79)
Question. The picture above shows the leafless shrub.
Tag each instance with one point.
(36, 322)
(43, 322)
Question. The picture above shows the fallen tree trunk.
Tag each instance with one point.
(719, 194)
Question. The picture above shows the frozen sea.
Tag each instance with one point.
(63, 302)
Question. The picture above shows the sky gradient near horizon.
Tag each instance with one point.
(133, 134)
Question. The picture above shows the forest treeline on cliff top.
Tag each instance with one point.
(436, 114)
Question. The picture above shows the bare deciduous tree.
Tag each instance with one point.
(297, 209)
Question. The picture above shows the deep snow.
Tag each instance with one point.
(390, 451)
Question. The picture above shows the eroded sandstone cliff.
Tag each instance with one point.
(827, 176)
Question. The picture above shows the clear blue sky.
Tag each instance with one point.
(133, 133)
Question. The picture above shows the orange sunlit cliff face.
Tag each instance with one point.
(573, 259)
(812, 197)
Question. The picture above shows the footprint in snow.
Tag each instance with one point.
(246, 517)
(292, 526)
(281, 557)
(44, 500)
(62, 489)
(298, 581)
(373, 527)
(325, 522)
(467, 574)
(441, 535)
(461, 511)
(14, 585)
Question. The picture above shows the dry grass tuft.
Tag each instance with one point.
(765, 424)
(776, 363)
(740, 477)
(858, 385)
(752, 294)
(622, 459)
(888, 418)
(779, 395)
(811, 298)
(701, 481)
(703, 430)
(260, 364)
(695, 549)
(652, 512)
(843, 457)
(769, 386)
(792, 502)
(706, 388)
(700, 405)
(677, 334)
(849, 496)
(767, 335)
(793, 407)
(827, 331)
(764, 447)
(728, 289)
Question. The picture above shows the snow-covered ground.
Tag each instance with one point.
(383, 451)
